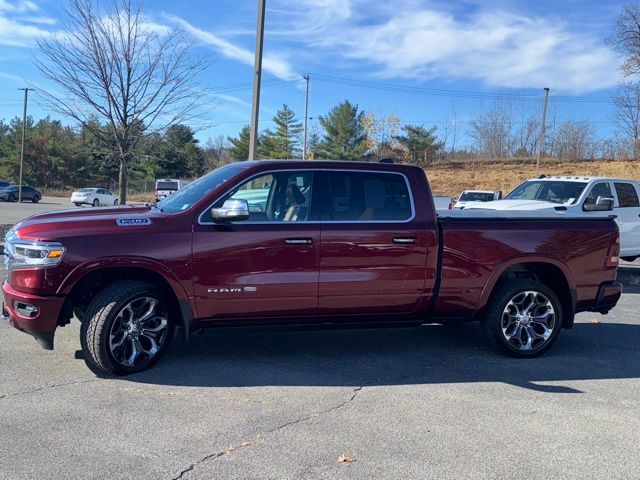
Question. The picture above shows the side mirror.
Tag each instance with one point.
(233, 210)
(603, 204)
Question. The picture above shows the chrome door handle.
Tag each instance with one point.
(403, 240)
(298, 241)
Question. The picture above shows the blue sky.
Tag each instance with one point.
(430, 62)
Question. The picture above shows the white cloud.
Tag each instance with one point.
(18, 7)
(18, 27)
(412, 40)
(15, 33)
(271, 63)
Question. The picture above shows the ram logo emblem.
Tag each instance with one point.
(231, 290)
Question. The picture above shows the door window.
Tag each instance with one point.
(602, 189)
(369, 197)
(627, 196)
(274, 197)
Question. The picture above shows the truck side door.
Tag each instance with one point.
(266, 265)
(628, 210)
(374, 245)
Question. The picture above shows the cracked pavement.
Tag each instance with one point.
(285, 404)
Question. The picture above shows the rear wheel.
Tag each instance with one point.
(115, 202)
(524, 318)
(35, 199)
(95, 203)
(126, 328)
(11, 198)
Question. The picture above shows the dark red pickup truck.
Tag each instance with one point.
(292, 242)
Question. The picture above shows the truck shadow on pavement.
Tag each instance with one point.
(430, 354)
(435, 354)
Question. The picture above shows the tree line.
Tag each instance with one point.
(58, 156)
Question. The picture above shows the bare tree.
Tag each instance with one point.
(381, 131)
(113, 65)
(626, 39)
(627, 114)
(575, 140)
(492, 131)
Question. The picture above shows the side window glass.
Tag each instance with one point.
(277, 197)
(627, 196)
(368, 197)
(602, 189)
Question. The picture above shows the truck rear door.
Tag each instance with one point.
(374, 245)
(628, 212)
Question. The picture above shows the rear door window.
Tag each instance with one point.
(627, 195)
(369, 197)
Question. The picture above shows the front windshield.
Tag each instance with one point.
(167, 185)
(185, 198)
(476, 197)
(548, 191)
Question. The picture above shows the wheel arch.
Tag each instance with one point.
(86, 280)
(554, 274)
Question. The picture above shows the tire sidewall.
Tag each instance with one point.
(493, 318)
(105, 360)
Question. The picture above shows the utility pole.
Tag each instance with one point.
(306, 117)
(24, 124)
(542, 131)
(257, 76)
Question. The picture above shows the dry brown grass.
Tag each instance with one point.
(451, 179)
(454, 177)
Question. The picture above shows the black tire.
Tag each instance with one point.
(115, 202)
(95, 203)
(11, 198)
(628, 259)
(98, 324)
(78, 204)
(494, 318)
(35, 199)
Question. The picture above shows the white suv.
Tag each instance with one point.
(583, 196)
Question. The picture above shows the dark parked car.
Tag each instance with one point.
(3, 184)
(297, 242)
(11, 194)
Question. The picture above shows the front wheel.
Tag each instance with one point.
(11, 198)
(126, 328)
(78, 204)
(96, 203)
(115, 202)
(523, 319)
(35, 199)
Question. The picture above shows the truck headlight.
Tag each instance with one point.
(25, 254)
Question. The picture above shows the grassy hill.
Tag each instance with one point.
(454, 177)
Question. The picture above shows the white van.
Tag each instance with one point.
(168, 186)
(580, 196)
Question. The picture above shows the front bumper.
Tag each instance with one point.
(42, 320)
(608, 295)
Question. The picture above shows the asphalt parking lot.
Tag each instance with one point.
(13, 212)
(402, 403)
(260, 404)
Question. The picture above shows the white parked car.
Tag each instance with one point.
(579, 196)
(476, 196)
(94, 196)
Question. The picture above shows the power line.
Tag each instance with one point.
(390, 87)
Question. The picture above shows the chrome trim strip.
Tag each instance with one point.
(318, 222)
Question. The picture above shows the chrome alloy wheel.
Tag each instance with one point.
(528, 320)
(138, 332)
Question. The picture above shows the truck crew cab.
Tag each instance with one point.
(292, 242)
